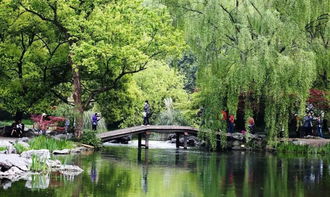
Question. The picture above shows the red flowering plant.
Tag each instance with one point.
(319, 99)
(46, 122)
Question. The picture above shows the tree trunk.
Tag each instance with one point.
(79, 111)
(18, 115)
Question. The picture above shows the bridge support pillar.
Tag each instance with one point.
(185, 140)
(146, 145)
(139, 140)
(177, 139)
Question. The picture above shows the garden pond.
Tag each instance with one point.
(124, 171)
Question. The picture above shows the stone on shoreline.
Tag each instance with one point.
(70, 170)
(61, 152)
(42, 154)
(7, 161)
(54, 164)
(24, 144)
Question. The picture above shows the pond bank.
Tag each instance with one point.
(19, 161)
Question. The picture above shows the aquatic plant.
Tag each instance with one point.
(38, 164)
(20, 148)
(43, 142)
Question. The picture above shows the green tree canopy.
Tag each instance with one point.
(265, 53)
(33, 62)
(157, 82)
(106, 41)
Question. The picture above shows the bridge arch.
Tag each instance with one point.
(147, 130)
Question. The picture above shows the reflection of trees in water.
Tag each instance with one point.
(187, 173)
(253, 174)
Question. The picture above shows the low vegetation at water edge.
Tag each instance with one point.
(43, 142)
(305, 149)
(90, 138)
(20, 148)
(38, 164)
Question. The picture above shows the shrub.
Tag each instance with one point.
(43, 142)
(89, 137)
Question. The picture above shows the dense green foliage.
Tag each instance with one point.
(265, 55)
(32, 63)
(156, 83)
(171, 116)
(253, 58)
(43, 142)
(99, 44)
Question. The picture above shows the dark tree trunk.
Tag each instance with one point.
(240, 122)
(18, 115)
(79, 111)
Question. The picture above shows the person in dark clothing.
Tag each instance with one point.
(231, 124)
(17, 128)
(307, 125)
(95, 120)
(146, 113)
(319, 125)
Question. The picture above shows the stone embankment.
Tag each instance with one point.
(15, 167)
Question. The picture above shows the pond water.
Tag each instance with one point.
(122, 171)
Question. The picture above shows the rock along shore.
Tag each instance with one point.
(15, 167)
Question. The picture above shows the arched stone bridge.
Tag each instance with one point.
(147, 130)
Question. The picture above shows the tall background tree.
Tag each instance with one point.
(32, 60)
(256, 58)
(106, 41)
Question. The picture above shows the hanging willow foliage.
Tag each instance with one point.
(257, 49)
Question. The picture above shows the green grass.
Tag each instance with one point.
(43, 142)
(303, 149)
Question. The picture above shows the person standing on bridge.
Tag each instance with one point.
(146, 113)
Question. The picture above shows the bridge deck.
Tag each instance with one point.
(141, 129)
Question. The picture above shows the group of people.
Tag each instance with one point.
(312, 124)
(17, 128)
(230, 121)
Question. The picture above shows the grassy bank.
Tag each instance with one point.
(302, 149)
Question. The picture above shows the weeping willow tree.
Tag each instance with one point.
(253, 53)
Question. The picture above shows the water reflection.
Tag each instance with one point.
(38, 181)
(121, 171)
